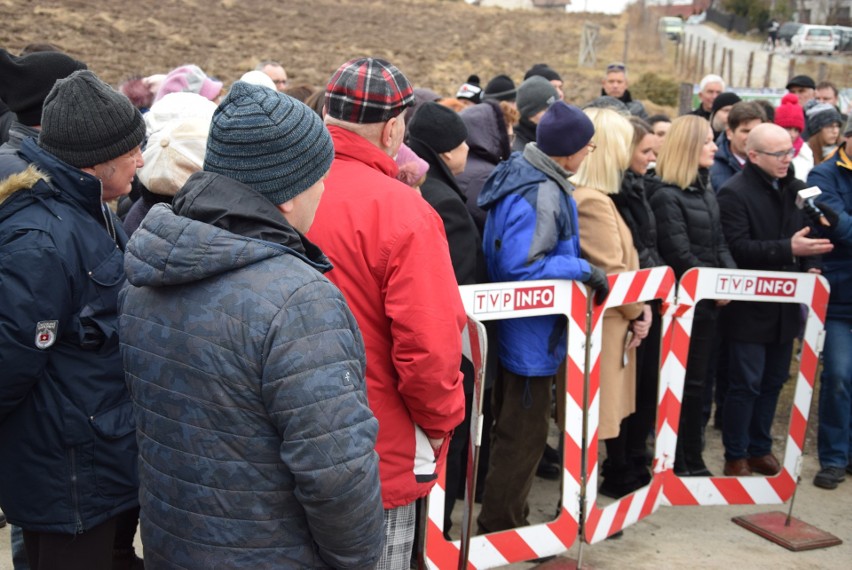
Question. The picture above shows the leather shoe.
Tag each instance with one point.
(765, 465)
(737, 468)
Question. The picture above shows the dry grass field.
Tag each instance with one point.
(437, 43)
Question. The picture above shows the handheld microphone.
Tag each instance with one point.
(807, 196)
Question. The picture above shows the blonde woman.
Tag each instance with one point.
(690, 235)
(606, 241)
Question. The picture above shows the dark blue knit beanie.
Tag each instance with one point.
(269, 141)
(563, 130)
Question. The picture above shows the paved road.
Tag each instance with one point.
(741, 50)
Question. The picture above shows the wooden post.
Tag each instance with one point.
(712, 60)
(822, 73)
(768, 76)
(686, 61)
(701, 60)
(749, 69)
(722, 63)
(677, 52)
(731, 66)
(626, 44)
(791, 69)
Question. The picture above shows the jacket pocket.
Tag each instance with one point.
(425, 458)
(115, 452)
(97, 321)
(115, 422)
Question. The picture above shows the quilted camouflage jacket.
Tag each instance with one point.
(246, 370)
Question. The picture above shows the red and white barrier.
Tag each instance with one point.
(535, 298)
(625, 288)
(758, 286)
(498, 301)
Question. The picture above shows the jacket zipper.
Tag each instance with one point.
(74, 499)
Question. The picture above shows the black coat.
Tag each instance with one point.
(688, 225)
(633, 205)
(759, 221)
(443, 194)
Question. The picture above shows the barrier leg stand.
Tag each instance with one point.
(786, 530)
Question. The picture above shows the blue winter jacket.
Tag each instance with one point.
(247, 373)
(531, 232)
(834, 178)
(725, 164)
(67, 444)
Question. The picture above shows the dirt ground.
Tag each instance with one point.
(436, 43)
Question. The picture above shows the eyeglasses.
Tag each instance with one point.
(615, 67)
(781, 154)
(592, 146)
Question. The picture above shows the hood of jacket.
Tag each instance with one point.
(521, 170)
(61, 180)
(215, 225)
(487, 135)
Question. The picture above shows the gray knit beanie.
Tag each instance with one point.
(535, 94)
(268, 141)
(86, 122)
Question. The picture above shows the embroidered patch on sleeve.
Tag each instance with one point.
(46, 334)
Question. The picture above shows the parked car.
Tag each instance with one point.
(672, 27)
(696, 19)
(816, 39)
(787, 31)
(842, 38)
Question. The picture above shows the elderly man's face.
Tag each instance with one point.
(804, 94)
(615, 84)
(708, 95)
(278, 76)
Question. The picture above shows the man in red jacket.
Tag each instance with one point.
(391, 262)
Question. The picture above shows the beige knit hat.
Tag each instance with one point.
(173, 154)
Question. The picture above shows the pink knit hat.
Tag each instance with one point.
(189, 78)
(790, 114)
(412, 168)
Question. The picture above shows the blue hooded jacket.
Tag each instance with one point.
(531, 232)
(834, 178)
(725, 164)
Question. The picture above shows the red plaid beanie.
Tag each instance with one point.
(367, 90)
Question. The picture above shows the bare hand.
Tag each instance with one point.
(815, 270)
(803, 246)
(722, 302)
(641, 326)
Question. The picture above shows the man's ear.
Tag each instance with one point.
(387, 133)
(287, 207)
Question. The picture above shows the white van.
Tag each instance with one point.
(817, 39)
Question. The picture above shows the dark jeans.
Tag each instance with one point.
(91, 550)
(521, 407)
(757, 373)
(835, 395)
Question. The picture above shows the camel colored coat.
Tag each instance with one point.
(605, 241)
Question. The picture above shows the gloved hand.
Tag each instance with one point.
(820, 215)
(597, 280)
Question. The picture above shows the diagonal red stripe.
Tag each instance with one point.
(511, 546)
(634, 292)
(442, 553)
(808, 365)
(565, 527)
(733, 491)
(783, 484)
(819, 303)
(798, 427)
(676, 492)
